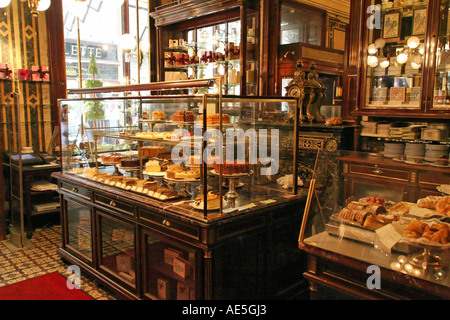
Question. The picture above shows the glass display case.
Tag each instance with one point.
(206, 46)
(441, 85)
(395, 54)
(379, 212)
(238, 151)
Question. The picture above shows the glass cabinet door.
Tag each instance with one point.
(118, 249)
(441, 96)
(79, 231)
(395, 54)
(169, 270)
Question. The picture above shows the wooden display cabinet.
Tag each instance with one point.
(141, 251)
(383, 82)
(211, 42)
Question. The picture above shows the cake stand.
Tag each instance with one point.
(183, 183)
(116, 169)
(151, 123)
(427, 259)
(132, 170)
(232, 193)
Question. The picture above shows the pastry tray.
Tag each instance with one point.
(356, 232)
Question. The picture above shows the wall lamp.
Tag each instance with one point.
(34, 5)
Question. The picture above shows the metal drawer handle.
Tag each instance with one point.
(75, 190)
(167, 223)
(377, 170)
(112, 204)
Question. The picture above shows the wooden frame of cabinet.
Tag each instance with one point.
(413, 181)
(234, 256)
(197, 14)
(355, 69)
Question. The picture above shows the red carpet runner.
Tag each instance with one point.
(51, 286)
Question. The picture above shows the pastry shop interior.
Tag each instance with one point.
(225, 150)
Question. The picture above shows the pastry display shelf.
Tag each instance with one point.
(388, 139)
(207, 64)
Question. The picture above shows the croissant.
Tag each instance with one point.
(415, 229)
(443, 206)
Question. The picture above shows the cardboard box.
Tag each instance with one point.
(181, 267)
(162, 288)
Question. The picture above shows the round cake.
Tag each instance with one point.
(158, 115)
(215, 118)
(232, 168)
(130, 163)
(151, 151)
(183, 116)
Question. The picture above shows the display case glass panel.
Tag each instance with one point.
(79, 235)
(175, 149)
(170, 270)
(118, 249)
(395, 54)
(370, 216)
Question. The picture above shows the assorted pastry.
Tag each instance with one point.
(212, 200)
(441, 204)
(144, 186)
(367, 214)
(232, 168)
(435, 232)
(215, 119)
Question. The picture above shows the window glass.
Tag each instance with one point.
(298, 25)
(101, 39)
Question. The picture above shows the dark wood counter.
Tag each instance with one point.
(342, 265)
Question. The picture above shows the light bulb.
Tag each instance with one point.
(145, 46)
(372, 49)
(415, 65)
(127, 41)
(379, 43)
(372, 61)
(384, 63)
(402, 58)
(413, 42)
(75, 8)
(4, 3)
(421, 49)
(43, 5)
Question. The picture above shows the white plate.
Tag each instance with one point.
(417, 164)
(237, 175)
(439, 165)
(154, 174)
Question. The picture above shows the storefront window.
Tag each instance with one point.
(102, 41)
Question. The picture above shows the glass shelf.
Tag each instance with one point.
(207, 64)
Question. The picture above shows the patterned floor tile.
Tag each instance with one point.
(42, 258)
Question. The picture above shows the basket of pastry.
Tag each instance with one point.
(428, 233)
(366, 214)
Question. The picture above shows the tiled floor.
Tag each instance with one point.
(41, 258)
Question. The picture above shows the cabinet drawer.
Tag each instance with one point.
(80, 191)
(114, 204)
(380, 172)
(433, 179)
(166, 224)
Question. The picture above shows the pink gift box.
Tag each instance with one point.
(40, 73)
(24, 74)
(5, 71)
